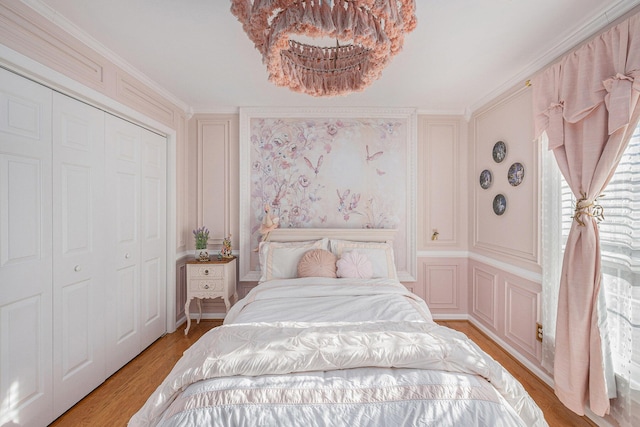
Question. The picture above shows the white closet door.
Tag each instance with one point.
(123, 152)
(153, 237)
(78, 251)
(25, 252)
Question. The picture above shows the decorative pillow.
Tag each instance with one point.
(354, 265)
(317, 263)
(379, 253)
(279, 260)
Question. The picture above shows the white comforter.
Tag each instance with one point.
(337, 373)
(316, 299)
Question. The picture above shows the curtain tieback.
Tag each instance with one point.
(590, 208)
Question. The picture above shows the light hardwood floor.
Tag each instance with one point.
(121, 395)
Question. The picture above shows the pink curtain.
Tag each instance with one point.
(588, 105)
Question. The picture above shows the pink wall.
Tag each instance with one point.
(474, 268)
(504, 289)
(513, 236)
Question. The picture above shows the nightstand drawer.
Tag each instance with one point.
(210, 280)
(206, 271)
(206, 285)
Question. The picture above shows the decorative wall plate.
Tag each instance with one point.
(499, 151)
(486, 179)
(515, 174)
(499, 204)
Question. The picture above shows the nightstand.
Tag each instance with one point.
(210, 279)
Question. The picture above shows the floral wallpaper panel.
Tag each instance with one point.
(328, 173)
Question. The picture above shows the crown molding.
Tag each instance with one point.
(217, 110)
(59, 20)
(572, 39)
(430, 112)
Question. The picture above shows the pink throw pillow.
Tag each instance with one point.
(317, 263)
(354, 265)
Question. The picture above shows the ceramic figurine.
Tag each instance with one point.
(226, 250)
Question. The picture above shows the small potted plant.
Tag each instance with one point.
(202, 236)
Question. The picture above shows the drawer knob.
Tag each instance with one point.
(77, 268)
(206, 271)
(127, 255)
(206, 286)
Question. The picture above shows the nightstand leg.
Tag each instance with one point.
(227, 303)
(186, 312)
(199, 310)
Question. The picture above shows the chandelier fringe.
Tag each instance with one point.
(372, 31)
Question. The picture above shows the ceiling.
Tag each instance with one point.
(462, 53)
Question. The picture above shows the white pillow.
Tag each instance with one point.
(379, 253)
(354, 265)
(279, 260)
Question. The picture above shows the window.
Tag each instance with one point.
(620, 246)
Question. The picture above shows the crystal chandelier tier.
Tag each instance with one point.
(367, 34)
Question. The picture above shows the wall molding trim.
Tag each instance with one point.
(501, 265)
(485, 296)
(574, 38)
(60, 21)
(508, 268)
(208, 148)
(482, 120)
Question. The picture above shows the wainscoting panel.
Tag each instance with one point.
(508, 306)
(485, 296)
(521, 314)
(442, 282)
(441, 286)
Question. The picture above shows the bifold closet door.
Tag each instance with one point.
(154, 237)
(25, 252)
(78, 251)
(136, 242)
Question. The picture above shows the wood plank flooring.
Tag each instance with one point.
(555, 412)
(121, 395)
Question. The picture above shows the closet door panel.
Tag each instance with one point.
(25, 252)
(123, 149)
(25, 202)
(78, 254)
(153, 225)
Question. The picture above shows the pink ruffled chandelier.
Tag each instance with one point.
(371, 33)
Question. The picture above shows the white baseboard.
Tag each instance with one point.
(194, 318)
(180, 321)
(513, 352)
(601, 422)
(450, 316)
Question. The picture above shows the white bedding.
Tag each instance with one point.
(377, 360)
(321, 299)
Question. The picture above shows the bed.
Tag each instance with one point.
(330, 337)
